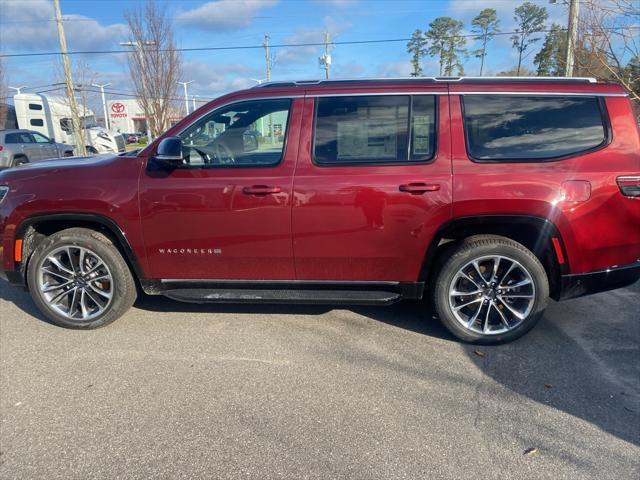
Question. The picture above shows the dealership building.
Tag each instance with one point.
(127, 116)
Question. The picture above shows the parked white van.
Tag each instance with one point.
(51, 116)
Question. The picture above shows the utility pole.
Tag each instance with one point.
(75, 117)
(104, 103)
(139, 47)
(325, 60)
(572, 34)
(186, 95)
(267, 56)
(17, 89)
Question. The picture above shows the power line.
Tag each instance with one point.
(280, 45)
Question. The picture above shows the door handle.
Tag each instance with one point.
(261, 190)
(418, 188)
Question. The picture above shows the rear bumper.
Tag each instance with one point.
(578, 285)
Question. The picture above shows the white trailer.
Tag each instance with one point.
(51, 116)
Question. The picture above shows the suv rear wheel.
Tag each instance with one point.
(78, 279)
(491, 290)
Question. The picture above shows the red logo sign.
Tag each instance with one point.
(117, 107)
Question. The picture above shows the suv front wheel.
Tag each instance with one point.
(491, 290)
(78, 279)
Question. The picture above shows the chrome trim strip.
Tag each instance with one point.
(374, 94)
(546, 94)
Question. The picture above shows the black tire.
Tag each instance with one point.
(19, 160)
(482, 247)
(123, 290)
(91, 150)
(67, 154)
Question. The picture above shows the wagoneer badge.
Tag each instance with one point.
(190, 251)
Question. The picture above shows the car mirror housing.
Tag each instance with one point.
(169, 152)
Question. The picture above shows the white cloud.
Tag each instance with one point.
(394, 69)
(34, 28)
(223, 15)
(309, 54)
(212, 79)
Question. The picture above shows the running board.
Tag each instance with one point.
(306, 296)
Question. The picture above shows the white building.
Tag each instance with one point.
(127, 116)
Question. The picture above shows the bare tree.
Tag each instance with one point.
(156, 66)
(609, 42)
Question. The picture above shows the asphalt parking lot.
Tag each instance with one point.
(221, 391)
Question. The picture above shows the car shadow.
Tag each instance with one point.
(557, 364)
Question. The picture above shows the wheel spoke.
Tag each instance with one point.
(477, 269)
(59, 296)
(106, 295)
(517, 314)
(485, 325)
(470, 279)
(71, 260)
(81, 261)
(502, 317)
(53, 288)
(521, 283)
(59, 265)
(60, 275)
(515, 295)
(83, 304)
(458, 293)
(506, 274)
(93, 299)
(496, 265)
(475, 316)
(475, 300)
(101, 277)
(72, 305)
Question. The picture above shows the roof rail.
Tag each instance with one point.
(342, 81)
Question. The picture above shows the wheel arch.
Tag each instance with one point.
(33, 229)
(535, 233)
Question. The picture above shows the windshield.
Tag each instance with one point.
(88, 122)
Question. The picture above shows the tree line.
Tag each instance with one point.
(606, 47)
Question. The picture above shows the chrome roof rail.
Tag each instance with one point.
(338, 81)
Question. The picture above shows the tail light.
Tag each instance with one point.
(629, 186)
(1, 147)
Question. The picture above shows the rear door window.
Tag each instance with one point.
(520, 128)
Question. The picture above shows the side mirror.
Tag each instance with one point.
(169, 152)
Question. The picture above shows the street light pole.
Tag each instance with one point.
(17, 89)
(139, 47)
(104, 103)
(194, 101)
(186, 95)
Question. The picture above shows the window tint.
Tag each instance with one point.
(244, 134)
(11, 138)
(36, 122)
(20, 137)
(519, 128)
(40, 138)
(35, 106)
(361, 129)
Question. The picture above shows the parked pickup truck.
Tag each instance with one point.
(487, 196)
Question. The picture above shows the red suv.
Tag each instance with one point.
(489, 195)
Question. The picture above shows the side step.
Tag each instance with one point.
(241, 295)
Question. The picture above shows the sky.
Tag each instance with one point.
(28, 26)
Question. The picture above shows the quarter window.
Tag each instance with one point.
(245, 134)
(502, 127)
(374, 129)
(36, 122)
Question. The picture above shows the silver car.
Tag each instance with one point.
(23, 146)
